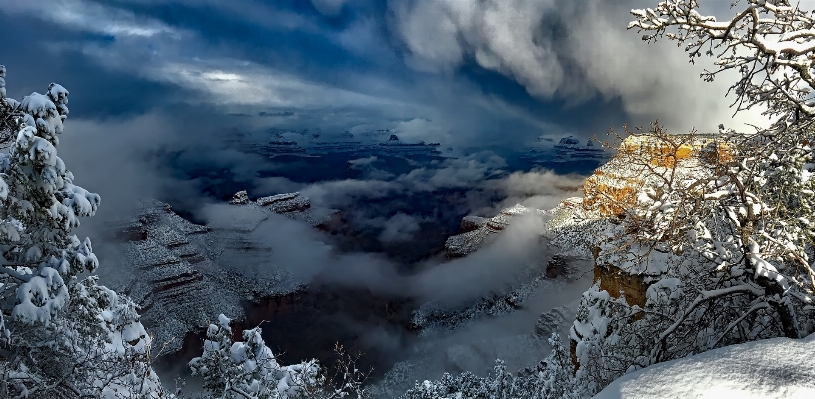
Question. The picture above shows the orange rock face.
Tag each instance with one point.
(613, 187)
(620, 283)
(609, 193)
(660, 153)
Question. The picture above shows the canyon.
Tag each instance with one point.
(183, 274)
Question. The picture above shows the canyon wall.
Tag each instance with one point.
(613, 190)
(183, 275)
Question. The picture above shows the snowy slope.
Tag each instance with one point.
(183, 275)
(772, 368)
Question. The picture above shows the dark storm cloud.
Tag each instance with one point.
(262, 32)
(478, 72)
(572, 52)
(327, 63)
(96, 91)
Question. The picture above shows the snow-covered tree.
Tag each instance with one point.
(62, 335)
(732, 237)
(769, 43)
(248, 369)
(9, 112)
(724, 247)
(552, 379)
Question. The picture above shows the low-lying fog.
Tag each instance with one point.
(391, 245)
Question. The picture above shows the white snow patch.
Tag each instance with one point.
(772, 368)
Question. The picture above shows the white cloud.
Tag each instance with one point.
(492, 268)
(420, 129)
(93, 17)
(399, 228)
(430, 34)
(328, 7)
(360, 163)
(568, 50)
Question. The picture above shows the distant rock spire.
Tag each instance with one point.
(240, 198)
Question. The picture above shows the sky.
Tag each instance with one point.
(491, 72)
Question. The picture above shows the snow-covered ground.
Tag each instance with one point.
(772, 368)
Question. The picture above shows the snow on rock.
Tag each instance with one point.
(279, 198)
(470, 223)
(297, 207)
(467, 243)
(240, 198)
(555, 320)
(174, 270)
(551, 288)
(245, 218)
(2, 81)
(574, 229)
(614, 187)
(552, 265)
(183, 274)
(618, 186)
(480, 229)
(640, 268)
(771, 368)
(497, 327)
(283, 203)
(570, 228)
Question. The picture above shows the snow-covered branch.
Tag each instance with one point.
(770, 43)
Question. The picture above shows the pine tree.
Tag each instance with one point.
(62, 335)
(249, 369)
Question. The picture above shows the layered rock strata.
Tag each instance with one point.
(614, 187)
(183, 274)
(612, 190)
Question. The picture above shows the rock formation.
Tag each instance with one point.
(553, 321)
(569, 227)
(240, 198)
(613, 189)
(294, 144)
(183, 274)
(568, 150)
(478, 229)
